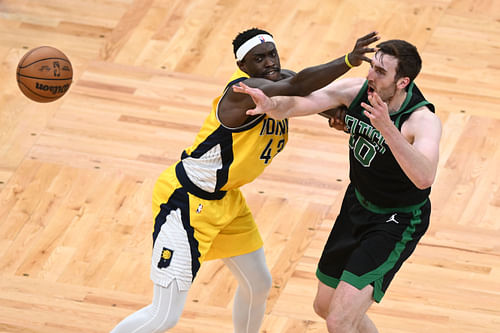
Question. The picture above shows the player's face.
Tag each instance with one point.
(381, 76)
(262, 61)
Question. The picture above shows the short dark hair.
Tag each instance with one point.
(409, 61)
(242, 37)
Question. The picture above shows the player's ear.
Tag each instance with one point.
(403, 82)
(241, 65)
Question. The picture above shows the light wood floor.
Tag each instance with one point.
(76, 175)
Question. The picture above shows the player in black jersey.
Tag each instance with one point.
(393, 155)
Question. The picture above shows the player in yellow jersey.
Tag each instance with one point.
(200, 212)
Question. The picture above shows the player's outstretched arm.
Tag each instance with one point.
(277, 107)
(338, 93)
(233, 107)
(316, 77)
(263, 103)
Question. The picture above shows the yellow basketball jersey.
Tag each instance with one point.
(223, 158)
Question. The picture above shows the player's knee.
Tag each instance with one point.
(262, 285)
(267, 282)
(161, 320)
(321, 308)
(149, 319)
(337, 323)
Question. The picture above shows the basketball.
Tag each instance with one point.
(44, 74)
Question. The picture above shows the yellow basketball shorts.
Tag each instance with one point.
(189, 230)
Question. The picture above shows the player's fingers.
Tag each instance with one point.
(253, 112)
(238, 89)
(366, 106)
(241, 87)
(361, 52)
(377, 101)
(368, 60)
(371, 40)
(374, 100)
(241, 84)
(370, 35)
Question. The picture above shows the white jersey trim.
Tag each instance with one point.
(202, 171)
(173, 236)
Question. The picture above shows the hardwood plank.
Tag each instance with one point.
(76, 175)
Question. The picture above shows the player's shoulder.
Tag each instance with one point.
(422, 123)
(423, 118)
(257, 82)
(286, 73)
(424, 113)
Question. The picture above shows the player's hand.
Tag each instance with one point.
(338, 119)
(358, 53)
(378, 112)
(263, 104)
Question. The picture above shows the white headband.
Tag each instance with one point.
(251, 43)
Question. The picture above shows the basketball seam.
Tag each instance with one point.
(34, 62)
(42, 78)
(28, 53)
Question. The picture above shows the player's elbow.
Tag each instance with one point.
(424, 182)
(423, 186)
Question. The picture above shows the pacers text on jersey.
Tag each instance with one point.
(273, 126)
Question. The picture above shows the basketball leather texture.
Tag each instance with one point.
(44, 74)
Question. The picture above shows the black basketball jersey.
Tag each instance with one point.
(374, 171)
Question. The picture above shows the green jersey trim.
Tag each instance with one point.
(385, 210)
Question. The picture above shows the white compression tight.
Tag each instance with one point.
(159, 316)
(254, 283)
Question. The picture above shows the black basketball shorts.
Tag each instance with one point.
(368, 244)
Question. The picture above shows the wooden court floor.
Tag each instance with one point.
(76, 175)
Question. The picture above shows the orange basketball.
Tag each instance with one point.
(44, 74)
